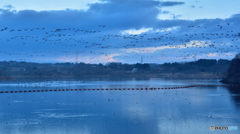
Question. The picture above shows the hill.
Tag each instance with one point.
(233, 74)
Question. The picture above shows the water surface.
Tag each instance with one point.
(188, 110)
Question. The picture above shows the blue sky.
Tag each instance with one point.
(119, 30)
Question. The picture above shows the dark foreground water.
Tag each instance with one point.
(175, 111)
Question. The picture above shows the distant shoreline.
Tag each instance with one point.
(6, 78)
(161, 75)
(201, 69)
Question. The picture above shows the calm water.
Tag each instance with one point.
(176, 111)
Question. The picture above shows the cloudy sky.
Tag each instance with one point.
(98, 31)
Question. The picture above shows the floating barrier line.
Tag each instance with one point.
(102, 89)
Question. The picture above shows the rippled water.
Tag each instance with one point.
(188, 110)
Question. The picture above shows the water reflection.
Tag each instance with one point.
(235, 95)
(92, 112)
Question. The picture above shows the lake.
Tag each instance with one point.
(158, 111)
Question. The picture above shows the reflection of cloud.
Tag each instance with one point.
(182, 126)
(138, 113)
(134, 31)
(56, 115)
(191, 124)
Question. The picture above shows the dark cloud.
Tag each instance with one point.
(116, 14)
(8, 6)
(176, 16)
(165, 12)
(169, 3)
(192, 6)
(123, 15)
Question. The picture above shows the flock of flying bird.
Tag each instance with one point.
(71, 41)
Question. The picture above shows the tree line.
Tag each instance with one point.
(113, 69)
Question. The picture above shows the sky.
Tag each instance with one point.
(102, 31)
